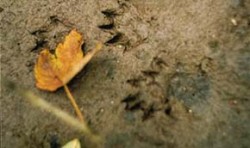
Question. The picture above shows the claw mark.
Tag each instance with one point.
(38, 32)
(132, 102)
(158, 62)
(115, 38)
(135, 82)
(150, 73)
(107, 26)
(111, 13)
(39, 44)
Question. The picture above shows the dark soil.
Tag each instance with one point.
(171, 74)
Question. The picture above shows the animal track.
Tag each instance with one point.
(133, 102)
(107, 26)
(43, 33)
(158, 90)
(122, 33)
(116, 38)
(150, 98)
(137, 102)
(135, 82)
(40, 43)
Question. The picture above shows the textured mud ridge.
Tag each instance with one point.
(171, 73)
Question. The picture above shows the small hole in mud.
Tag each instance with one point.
(168, 110)
(166, 100)
(1, 9)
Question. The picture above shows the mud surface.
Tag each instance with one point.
(171, 74)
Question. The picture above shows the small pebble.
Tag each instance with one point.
(234, 22)
(190, 111)
(120, 46)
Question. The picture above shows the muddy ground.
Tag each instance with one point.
(171, 74)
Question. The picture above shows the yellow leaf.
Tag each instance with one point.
(72, 144)
(55, 70)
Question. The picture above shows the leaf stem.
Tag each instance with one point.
(73, 102)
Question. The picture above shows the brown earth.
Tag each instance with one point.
(171, 74)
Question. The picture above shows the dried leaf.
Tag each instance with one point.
(72, 144)
(55, 70)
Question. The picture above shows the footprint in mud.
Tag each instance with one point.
(149, 99)
(50, 32)
(188, 90)
(123, 26)
(117, 37)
